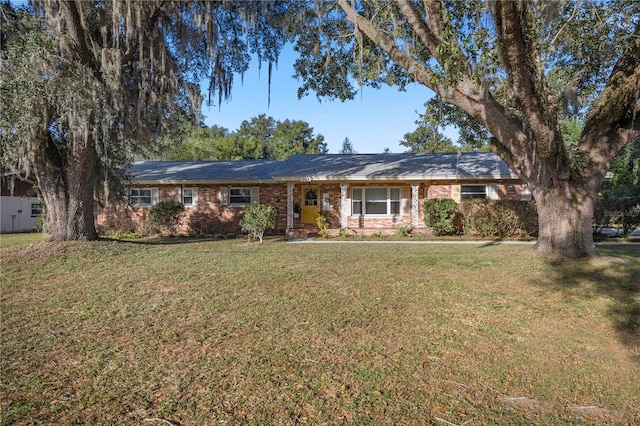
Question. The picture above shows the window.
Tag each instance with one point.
(189, 196)
(239, 195)
(375, 201)
(473, 191)
(36, 209)
(356, 208)
(140, 196)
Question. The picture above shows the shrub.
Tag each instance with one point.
(624, 212)
(166, 214)
(257, 219)
(602, 215)
(323, 222)
(439, 215)
(404, 230)
(202, 224)
(344, 233)
(498, 218)
(118, 225)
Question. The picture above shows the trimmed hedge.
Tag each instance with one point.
(498, 218)
(440, 215)
(166, 214)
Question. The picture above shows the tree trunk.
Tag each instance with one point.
(67, 185)
(565, 221)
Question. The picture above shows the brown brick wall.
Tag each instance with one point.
(227, 217)
(207, 209)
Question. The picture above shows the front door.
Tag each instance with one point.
(309, 204)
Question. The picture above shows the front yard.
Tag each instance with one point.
(228, 332)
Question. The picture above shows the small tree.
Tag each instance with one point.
(439, 215)
(347, 147)
(257, 219)
(323, 222)
(166, 214)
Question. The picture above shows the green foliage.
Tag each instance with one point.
(202, 143)
(439, 214)
(510, 69)
(323, 221)
(88, 86)
(261, 137)
(623, 212)
(347, 147)
(344, 233)
(126, 235)
(428, 137)
(166, 214)
(626, 173)
(257, 219)
(498, 218)
(404, 230)
(424, 139)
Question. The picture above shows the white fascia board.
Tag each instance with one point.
(327, 178)
(200, 182)
(408, 178)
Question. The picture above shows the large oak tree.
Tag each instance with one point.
(86, 84)
(514, 67)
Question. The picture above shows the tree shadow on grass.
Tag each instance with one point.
(614, 274)
(164, 240)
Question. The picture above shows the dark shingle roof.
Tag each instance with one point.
(478, 165)
(473, 165)
(204, 171)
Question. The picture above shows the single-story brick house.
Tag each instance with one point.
(364, 193)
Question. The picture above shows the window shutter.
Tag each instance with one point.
(255, 194)
(154, 195)
(455, 193)
(224, 195)
(179, 194)
(195, 196)
(405, 201)
(347, 211)
(526, 193)
(492, 191)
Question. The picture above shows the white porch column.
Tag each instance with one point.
(343, 205)
(415, 214)
(290, 187)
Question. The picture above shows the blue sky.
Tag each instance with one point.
(375, 120)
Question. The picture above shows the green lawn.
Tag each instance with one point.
(230, 332)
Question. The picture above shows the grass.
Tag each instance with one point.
(227, 332)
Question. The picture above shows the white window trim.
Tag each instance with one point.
(254, 194)
(154, 196)
(194, 196)
(486, 192)
(363, 201)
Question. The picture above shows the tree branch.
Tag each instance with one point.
(425, 34)
(420, 72)
(617, 105)
(529, 89)
(79, 48)
(150, 23)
